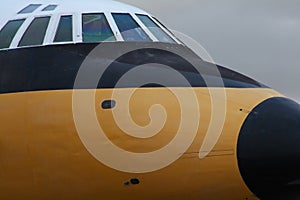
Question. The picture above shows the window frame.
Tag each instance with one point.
(138, 22)
(108, 22)
(30, 20)
(159, 27)
(56, 32)
(56, 21)
(144, 27)
(77, 26)
(25, 26)
(114, 27)
(37, 7)
(165, 29)
(49, 5)
(2, 27)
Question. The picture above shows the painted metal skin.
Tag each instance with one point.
(42, 155)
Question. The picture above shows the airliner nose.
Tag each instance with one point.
(268, 149)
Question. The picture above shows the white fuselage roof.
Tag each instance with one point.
(11, 9)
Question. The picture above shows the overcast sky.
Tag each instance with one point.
(260, 38)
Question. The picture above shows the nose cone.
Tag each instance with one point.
(268, 149)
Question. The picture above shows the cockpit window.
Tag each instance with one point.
(64, 30)
(50, 8)
(29, 9)
(156, 20)
(129, 28)
(162, 25)
(35, 33)
(9, 31)
(155, 29)
(95, 28)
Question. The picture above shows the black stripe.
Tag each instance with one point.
(55, 67)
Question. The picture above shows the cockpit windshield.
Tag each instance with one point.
(95, 28)
(155, 29)
(46, 24)
(129, 29)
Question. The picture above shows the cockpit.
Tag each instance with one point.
(62, 23)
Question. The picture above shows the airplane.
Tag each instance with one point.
(100, 100)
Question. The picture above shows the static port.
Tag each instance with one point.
(108, 104)
(134, 181)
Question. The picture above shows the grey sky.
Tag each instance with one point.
(260, 38)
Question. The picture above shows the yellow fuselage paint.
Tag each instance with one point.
(42, 156)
